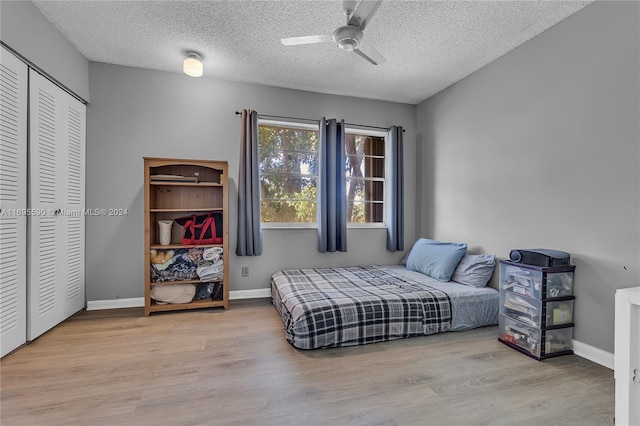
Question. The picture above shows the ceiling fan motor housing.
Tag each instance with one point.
(347, 37)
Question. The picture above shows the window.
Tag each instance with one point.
(288, 175)
(289, 179)
(365, 166)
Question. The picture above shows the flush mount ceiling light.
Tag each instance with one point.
(192, 65)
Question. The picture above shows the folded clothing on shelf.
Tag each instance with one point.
(182, 266)
(210, 271)
(213, 254)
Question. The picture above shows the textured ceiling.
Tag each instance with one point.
(428, 45)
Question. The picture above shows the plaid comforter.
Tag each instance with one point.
(329, 307)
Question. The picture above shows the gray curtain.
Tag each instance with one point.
(332, 200)
(249, 227)
(395, 180)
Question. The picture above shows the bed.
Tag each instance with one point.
(330, 307)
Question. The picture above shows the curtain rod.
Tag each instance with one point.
(316, 121)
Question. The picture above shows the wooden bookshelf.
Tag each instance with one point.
(177, 197)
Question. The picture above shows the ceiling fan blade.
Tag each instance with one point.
(363, 13)
(370, 54)
(292, 41)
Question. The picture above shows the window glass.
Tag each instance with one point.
(288, 173)
(365, 171)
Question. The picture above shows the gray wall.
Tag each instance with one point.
(136, 112)
(541, 149)
(24, 29)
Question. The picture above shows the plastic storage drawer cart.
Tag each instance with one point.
(536, 309)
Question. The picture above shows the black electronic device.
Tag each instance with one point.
(540, 257)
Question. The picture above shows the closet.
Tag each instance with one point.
(42, 175)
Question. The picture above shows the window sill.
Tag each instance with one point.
(284, 225)
(272, 225)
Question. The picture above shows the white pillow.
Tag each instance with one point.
(475, 270)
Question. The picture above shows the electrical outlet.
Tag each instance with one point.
(245, 271)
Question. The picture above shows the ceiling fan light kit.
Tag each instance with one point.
(348, 37)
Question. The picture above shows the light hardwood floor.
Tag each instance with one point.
(215, 367)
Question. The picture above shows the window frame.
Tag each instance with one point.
(354, 130)
(360, 131)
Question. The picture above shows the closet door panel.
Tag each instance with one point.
(47, 240)
(73, 158)
(13, 199)
(56, 288)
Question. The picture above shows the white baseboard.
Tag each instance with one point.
(95, 305)
(250, 294)
(594, 354)
(137, 302)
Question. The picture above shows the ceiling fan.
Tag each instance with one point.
(348, 37)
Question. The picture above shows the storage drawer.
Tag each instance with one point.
(520, 334)
(522, 308)
(559, 284)
(521, 280)
(535, 282)
(560, 312)
(558, 340)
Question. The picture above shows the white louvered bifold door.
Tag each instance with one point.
(13, 201)
(56, 239)
(73, 164)
(47, 241)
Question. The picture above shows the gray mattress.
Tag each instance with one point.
(471, 307)
(330, 307)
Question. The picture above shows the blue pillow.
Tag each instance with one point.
(436, 259)
(475, 270)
